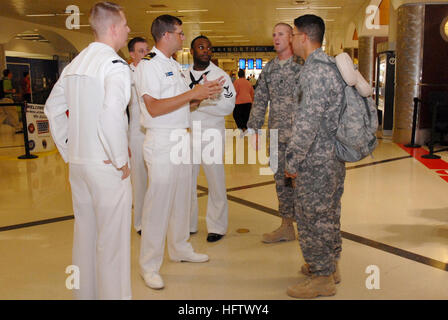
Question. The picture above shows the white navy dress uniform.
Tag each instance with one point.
(95, 89)
(165, 213)
(139, 172)
(210, 114)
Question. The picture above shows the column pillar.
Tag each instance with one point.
(409, 59)
(366, 58)
(2, 58)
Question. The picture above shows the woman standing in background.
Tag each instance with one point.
(244, 99)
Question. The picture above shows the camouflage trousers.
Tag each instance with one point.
(285, 192)
(318, 196)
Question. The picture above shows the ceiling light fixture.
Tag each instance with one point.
(70, 14)
(28, 35)
(296, 8)
(310, 8)
(160, 11)
(193, 10)
(42, 15)
(324, 8)
(54, 14)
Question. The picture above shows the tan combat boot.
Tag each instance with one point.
(313, 287)
(284, 233)
(305, 269)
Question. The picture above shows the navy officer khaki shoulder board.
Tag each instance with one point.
(149, 56)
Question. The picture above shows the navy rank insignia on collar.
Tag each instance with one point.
(149, 56)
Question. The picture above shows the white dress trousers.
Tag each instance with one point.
(165, 209)
(101, 245)
(139, 172)
(217, 205)
(210, 114)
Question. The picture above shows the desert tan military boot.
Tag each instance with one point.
(314, 286)
(284, 233)
(305, 269)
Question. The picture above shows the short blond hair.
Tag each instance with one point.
(285, 25)
(103, 14)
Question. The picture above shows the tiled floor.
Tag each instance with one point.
(394, 216)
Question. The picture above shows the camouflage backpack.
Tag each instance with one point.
(358, 120)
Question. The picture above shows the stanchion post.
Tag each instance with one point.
(27, 154)
(431, 154)
(414, 126)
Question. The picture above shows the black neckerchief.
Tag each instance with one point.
(195, 82)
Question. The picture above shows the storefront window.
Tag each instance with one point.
(444, 29)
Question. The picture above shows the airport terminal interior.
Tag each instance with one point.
(394, 218)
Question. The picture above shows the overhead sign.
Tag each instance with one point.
(244, 49)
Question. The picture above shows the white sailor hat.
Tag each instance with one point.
(352, 76)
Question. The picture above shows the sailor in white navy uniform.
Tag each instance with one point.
(165, 106)
(138, 48)
(95, 89)
(210, 115)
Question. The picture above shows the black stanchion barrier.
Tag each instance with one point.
(22, 106)
(431, 155)
(414, 126)
(27, 154)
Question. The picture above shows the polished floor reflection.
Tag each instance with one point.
(394, 217)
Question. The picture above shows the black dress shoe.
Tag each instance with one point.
(213, 237)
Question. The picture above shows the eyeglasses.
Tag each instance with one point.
(182, 34)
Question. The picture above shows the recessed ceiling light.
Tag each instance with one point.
(323, 8)
(28, 34)
(54, 14)
(295, 8)
(310, 8)
(193, 10)
(42, 15)
(70, 14)
(160, 11)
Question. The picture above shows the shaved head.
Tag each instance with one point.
(103, 15)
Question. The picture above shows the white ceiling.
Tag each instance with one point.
(246, 22)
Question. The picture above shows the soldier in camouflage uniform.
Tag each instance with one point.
(276, 85)
(312, 164)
